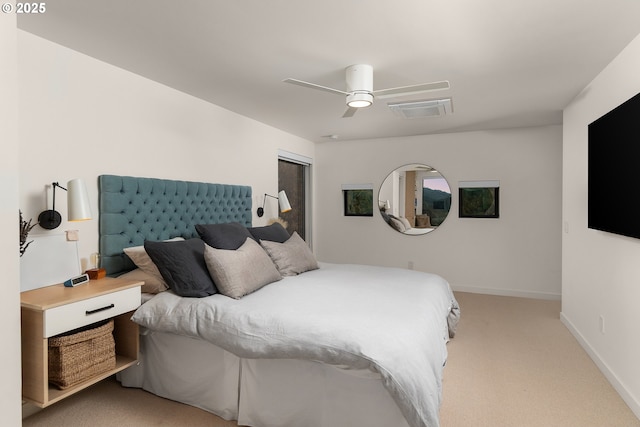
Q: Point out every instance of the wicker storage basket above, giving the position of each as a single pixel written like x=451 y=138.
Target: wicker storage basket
x=80 y=354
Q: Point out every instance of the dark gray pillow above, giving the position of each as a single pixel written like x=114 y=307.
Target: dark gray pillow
x=230 y=235
x=182 y=266
x=273 y=233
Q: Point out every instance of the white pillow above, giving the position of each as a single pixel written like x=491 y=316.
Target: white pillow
x=291 y=257
x=239 y=272
x=141 y=259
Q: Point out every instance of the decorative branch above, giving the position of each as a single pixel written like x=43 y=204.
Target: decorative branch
x=25 y=228
x=282 y=222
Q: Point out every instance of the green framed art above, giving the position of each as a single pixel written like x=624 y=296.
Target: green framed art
x=478 y=201
x=358 y=202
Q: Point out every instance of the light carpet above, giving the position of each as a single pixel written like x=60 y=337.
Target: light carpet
x=512 y=364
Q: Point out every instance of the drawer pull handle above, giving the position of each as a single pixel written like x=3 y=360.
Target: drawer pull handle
x=97 y=310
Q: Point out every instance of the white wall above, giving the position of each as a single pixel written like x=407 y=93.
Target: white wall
x=10 y=386
x=517 y=254
x=80 y=117
x=600 y=275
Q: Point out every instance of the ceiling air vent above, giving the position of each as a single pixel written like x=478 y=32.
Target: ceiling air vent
x=426 y=108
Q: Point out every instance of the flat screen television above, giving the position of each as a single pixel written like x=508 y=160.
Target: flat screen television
x=614 y=170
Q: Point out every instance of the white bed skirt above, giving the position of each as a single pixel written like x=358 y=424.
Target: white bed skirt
x=279 y=393
x=260 y=392
x=187 y=370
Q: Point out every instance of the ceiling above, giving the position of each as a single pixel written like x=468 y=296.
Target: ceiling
x=510 y=63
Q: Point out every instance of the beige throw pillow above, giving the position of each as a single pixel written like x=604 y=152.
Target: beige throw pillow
x=239 y=272
x=151 y=283
x=405 y=223
x=291 y=257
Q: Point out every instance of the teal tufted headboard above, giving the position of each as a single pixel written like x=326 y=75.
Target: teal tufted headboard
x=133 y=210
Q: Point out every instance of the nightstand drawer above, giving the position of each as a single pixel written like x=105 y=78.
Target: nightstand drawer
x=81 y=313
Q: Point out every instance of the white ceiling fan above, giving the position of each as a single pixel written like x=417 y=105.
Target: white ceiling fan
x=360 y=91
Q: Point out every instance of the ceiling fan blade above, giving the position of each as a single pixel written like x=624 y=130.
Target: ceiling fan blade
x=411 y=90
x=349 y=113
x=314 y=86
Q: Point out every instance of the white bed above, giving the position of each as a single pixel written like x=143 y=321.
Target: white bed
x=417 y=231
x=329 y=346
x=381 y=331
x=260 y=392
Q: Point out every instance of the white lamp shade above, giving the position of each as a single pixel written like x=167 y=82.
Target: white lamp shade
x=78 y=201
x=283 y=202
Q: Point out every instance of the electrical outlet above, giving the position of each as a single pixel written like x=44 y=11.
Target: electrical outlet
x=410 y=265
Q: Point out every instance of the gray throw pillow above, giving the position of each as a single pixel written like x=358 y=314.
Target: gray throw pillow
x=239 y=272
x=291 y=257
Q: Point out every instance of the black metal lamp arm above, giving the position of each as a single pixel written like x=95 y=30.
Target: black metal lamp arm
x=260 y=210
x=51 y=219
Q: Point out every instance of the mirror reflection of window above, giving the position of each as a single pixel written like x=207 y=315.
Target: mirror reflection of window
x=414 y=199
x=436 y=199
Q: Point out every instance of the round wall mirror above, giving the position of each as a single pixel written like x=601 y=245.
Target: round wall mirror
x=414 y=199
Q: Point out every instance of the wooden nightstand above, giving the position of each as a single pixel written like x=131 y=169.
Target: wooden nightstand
x=52 y=310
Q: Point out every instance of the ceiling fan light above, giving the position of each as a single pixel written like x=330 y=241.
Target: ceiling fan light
x=359 y=104
x=359 y=99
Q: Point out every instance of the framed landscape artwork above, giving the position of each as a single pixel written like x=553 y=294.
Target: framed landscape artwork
x=358 y=202
x=479 y=199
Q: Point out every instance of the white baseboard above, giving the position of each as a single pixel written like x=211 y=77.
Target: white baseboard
x=507 y=292
x=628 y=398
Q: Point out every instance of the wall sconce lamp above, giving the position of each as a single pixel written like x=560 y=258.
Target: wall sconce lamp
x=283 y=201
x=78 y=208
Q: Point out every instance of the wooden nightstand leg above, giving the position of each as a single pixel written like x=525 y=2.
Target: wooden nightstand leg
x=34 y=358
x=125 y=333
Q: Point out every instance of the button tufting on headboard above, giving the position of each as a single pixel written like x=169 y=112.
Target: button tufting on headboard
x=134 y=209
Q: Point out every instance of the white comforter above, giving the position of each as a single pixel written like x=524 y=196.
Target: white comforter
x=392 y=321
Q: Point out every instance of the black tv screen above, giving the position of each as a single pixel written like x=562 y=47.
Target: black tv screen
x=614 y=170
